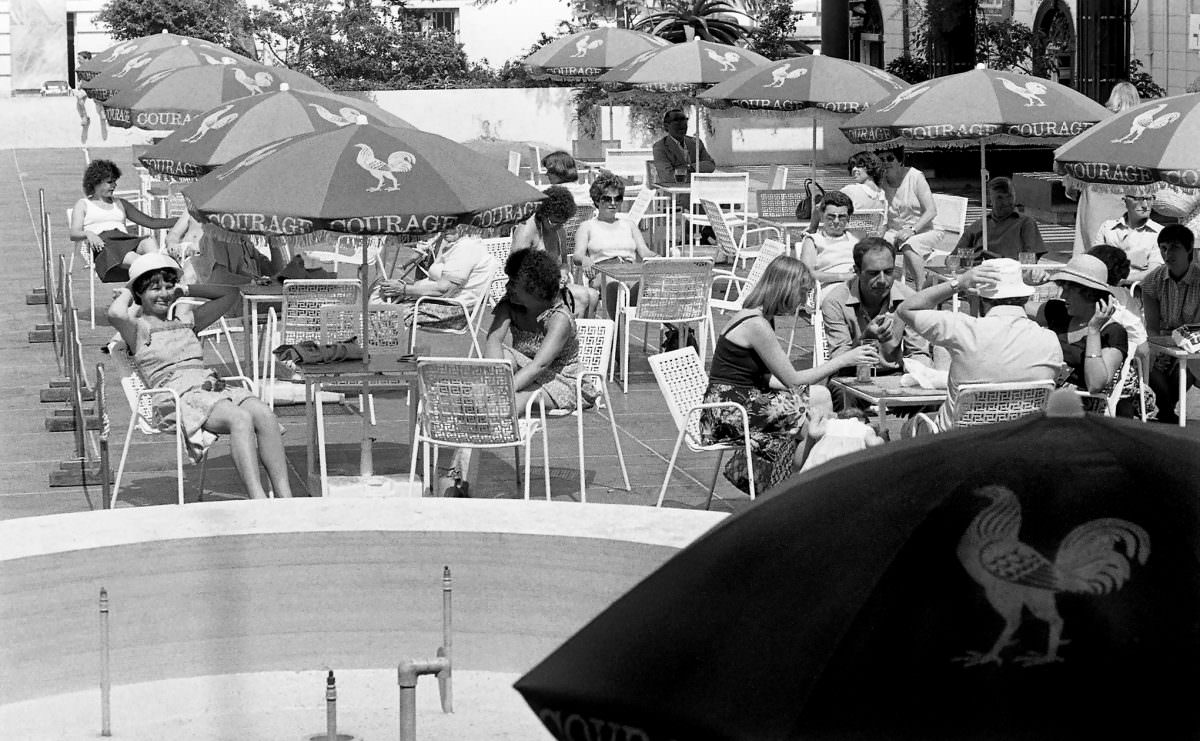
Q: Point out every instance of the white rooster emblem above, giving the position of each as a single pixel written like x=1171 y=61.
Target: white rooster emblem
x=254 y=157
x=141 y=60
x=904 y=95
x=254 y=84
x=127 y=48
x=728 y=60
x=218 y=119
x=639 y=59
x=781 y=75
x=1032 y=92
x=344 y=117
x=884 y=77
x=396 y=162
x=151 y=79
x=213 y=60
x=1147 y=120
x=584 y=45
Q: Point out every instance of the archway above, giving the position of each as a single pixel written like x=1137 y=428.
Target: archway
x=1055 y=56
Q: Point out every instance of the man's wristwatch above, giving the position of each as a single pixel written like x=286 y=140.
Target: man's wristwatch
x=954 y=284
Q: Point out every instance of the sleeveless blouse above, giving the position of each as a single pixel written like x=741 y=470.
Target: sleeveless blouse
x=736 y=365
x=611 y=241
x=99 y=217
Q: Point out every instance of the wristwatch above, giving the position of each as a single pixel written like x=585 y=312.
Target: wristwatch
x=954 y=283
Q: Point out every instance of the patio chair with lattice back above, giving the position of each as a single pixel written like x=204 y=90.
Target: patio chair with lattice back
x=300 y=319
x=1105 y=402
x=471 y=403
x=472 y=311
x=771 y=249
x=729 y=190
x=595 y=338
x=979 y=404
x=673 y=290
x=583 y=212
x=682 y=381
x=724 y=231
x=812 y=308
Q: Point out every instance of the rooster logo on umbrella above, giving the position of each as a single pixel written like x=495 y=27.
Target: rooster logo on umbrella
x=397 y=162
x=728 y=60
x=1095 y=558
x=781 y=75
x=585 y=44
x=1147 y=120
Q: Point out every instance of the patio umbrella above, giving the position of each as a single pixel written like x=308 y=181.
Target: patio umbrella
x=118 y=53
x=587 y=54
x=978 y=107
x=171 y=98
x=811 y=81
x=360 y=179
x=129 y=71
x=214 y=137
x=1144 y=149
x=1035 y=579
x=687 y=67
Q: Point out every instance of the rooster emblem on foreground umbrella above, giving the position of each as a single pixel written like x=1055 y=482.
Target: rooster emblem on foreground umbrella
x=396 y=162
x=728 y=60
x=1014 y=576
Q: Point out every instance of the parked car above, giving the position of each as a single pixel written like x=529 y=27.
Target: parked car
x=55 y=87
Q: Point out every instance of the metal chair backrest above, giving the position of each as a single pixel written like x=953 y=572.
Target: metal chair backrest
x=867 y=223
x=387 y=335
x=302 y=302
x=630 y=164
x=779 y=176
x=770 y=249
x=468 y=400
x=582 y=213
x=779 y=204
x=640 y=205
x=729 y=190
x=716 y=219
x=498 y=248
x=514 y=163
x=595 y=339
x=987 y=403
x=592 y=149
x=951 y=213
x=682 y=381
x=141 y=409
x=675 y=289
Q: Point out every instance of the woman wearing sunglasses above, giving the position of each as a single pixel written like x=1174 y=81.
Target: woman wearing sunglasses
x=606 y=238
x=911 y=214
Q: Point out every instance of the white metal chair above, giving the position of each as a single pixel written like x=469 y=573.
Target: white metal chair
x=471 y=403
x=951 y=219
x=811 y=307
x=1105 y=402
x=85 y=251
x=214 y=334
x=300 y=320
x=472 y=312
x=723 y=230
x=979 y=404
x=673 y=290
x=779 y=176
x=592 y=149
x=771 y=249
x=514 y=163
x=682 y=381
x=141 y=417
x=630 y=165
x=867 y=223
x=729 y=190
x=595 y=338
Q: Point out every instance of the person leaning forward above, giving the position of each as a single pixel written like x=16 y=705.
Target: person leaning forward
x=864 y=308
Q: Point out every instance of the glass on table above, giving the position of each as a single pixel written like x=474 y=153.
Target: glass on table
x=865 y=372
x=966 y=257
x=1027 y=258
x=952 y=262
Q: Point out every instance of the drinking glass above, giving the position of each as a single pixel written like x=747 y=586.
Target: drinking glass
x=952 y=262
x=1027 y=258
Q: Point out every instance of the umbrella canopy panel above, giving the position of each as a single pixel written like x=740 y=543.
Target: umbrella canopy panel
x=172 y=98
x=1152 y=144
x=129 y=72
x=1010 y=582
x=811 y=81
x=118 y=53
x=244 y=124
x=683 y=67
x=584 y=56
x=981 y=105
x=361 y=179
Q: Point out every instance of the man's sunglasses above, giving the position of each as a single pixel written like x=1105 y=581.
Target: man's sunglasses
x=612 y=200
x=888 y=158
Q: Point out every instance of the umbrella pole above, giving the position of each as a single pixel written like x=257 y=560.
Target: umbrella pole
x=814 y=149
x=699 y=140
x=611 y=131
x=366 y=464
x=983 y=178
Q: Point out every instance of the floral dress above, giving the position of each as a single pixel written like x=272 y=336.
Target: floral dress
x=776 y=416
x=171 y=356
x=558 y=380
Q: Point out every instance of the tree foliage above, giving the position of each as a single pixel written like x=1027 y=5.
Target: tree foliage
x=683 y=20
x=223 y=22
x=1146 y=86
x=776 y=25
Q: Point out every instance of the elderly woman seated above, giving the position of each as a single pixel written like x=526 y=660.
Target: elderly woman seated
x=607 y=238
x=461 y=269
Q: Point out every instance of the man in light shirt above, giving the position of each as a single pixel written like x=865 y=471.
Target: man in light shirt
x=1135 y=233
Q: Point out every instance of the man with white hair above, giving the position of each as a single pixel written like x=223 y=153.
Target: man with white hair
x=1003 y=345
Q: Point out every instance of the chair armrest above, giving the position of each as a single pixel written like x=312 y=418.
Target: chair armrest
x=726 y=275
x=722 y=405
x=923 y=418
x=746 y=233
x=447 y=300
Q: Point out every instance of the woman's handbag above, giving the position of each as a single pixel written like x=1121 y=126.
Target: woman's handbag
x=805 y=208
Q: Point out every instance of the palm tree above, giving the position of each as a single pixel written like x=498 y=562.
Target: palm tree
x=684 y=20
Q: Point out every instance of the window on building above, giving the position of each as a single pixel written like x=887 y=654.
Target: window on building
x=435 y=19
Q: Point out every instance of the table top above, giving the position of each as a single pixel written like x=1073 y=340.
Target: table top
x=888 y=389
x=389 y=366
x=620 y=271
x=1166 y=344
x=272 y=289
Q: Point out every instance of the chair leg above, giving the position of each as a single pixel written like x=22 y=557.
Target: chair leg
x=528 y=459
x=321 y=460
x=179 y=460
x=670 y=467
x=579 y=437
x=625 y=356
x=749 y=462
x=203 y=473
x=612 y=421
x=414 y=444
x=545 y=456
x=121 y=466
x=712 y=485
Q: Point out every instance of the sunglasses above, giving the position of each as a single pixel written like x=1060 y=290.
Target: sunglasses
x=677 y=120
x=888 y=158
x=611 y=200
x=837 y=217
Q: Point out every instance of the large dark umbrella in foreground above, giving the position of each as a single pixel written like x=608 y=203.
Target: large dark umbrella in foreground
x=1037 y=579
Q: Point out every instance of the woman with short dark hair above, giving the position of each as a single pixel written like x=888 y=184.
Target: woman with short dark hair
x=99 y=219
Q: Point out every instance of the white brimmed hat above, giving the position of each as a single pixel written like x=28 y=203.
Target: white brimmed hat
x=1085 y=270
x=153 y=261
x=1010 y=285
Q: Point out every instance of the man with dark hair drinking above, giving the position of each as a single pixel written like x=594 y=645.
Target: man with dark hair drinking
x=1171 y=299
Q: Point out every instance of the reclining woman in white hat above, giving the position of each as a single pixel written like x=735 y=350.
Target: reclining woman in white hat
x=167 y=354
x=1094 y=345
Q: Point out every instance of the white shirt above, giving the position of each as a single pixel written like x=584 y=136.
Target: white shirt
x=1140 y=244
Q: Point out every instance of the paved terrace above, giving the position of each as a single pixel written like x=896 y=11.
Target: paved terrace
x=28 y=452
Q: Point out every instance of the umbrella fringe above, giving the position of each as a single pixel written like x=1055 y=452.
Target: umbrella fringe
x=1147 y=189
x=1002 y=140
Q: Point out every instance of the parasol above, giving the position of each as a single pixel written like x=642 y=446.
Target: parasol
x=810 y=81
x=118 y=53
x=1034 y=579
x=978 y=107
x=128 y=71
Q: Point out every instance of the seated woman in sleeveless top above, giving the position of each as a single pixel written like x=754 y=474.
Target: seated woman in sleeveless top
x=167 y=354
x=546 y=230
x=747 y=358
x=99 y=219
x=606 y=237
